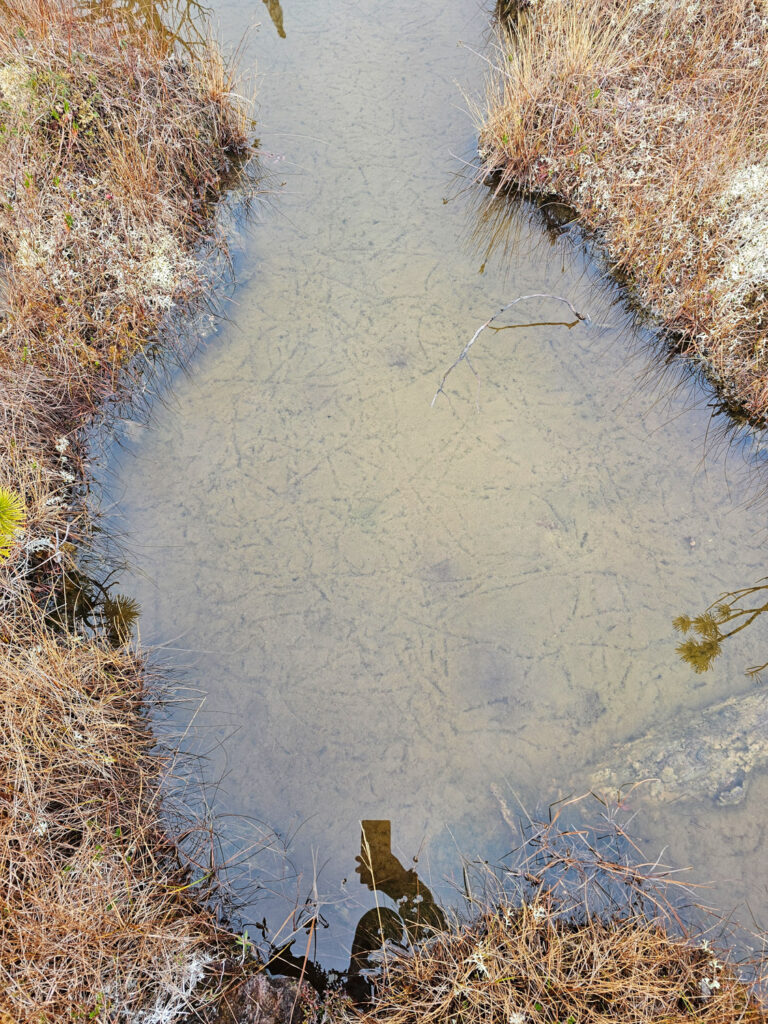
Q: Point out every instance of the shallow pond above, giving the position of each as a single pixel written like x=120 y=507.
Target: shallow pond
x=406 y=612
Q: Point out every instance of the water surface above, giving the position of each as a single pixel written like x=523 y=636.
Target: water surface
x=398 y=611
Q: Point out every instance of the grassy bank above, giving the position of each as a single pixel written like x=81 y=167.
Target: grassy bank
x=112 y=151
x=650 y=119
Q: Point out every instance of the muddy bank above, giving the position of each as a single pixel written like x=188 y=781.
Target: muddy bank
x=651 y=121
x=112 y=152
x=264 y=1000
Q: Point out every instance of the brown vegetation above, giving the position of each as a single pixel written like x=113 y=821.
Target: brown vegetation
x=524 y=965
x=112 y=150
x=650 y=119
x=98 y=917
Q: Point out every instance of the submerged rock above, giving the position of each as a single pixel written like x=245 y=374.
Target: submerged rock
x=712 y=758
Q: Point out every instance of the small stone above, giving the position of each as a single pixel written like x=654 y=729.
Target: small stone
x=732 y=794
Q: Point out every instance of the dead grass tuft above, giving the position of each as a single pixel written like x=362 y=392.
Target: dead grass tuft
x=650 y=118
x=98 y=918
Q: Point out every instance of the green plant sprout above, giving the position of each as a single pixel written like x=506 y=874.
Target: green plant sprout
x=12 y=519
x=245 y=945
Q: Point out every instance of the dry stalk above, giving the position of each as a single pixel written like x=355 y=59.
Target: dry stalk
x=464 y=354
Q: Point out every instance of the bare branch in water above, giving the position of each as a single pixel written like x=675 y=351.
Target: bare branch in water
x=464 y=354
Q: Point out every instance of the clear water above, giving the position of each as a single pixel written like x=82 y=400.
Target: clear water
x=402 y=612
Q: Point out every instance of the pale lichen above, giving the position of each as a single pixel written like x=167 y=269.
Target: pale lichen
x=14 y=83
x=744 y=206
x=177 y=980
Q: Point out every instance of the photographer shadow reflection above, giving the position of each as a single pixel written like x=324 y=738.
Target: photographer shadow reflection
x=415 y=917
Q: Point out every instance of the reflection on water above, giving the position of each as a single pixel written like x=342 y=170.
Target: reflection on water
x=176 y=22
x=495 y=234
x=413 y=919
x=706 y=633
x=379 y=869
x=394 y=608
x=86 y=601
x=276 y=14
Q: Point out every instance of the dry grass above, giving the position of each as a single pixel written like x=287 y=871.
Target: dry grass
x=524 y=965
x=576 y=934
x=112 y=151
x=97 y=919
x=650 y=118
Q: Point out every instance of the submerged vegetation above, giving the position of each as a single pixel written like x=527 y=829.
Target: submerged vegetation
x=112 y=150
x=650 y=119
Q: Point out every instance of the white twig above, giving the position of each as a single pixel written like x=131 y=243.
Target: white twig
x=521 y=298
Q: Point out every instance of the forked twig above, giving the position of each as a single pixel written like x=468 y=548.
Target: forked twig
x=521 y=298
